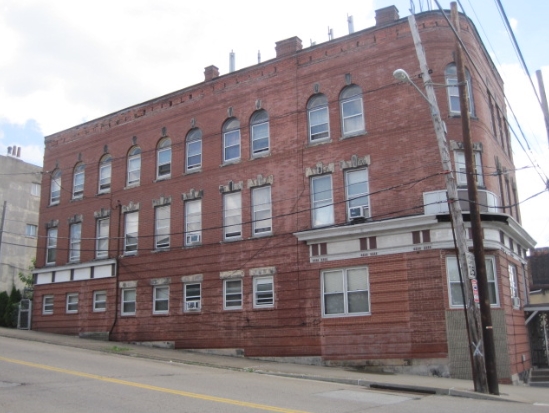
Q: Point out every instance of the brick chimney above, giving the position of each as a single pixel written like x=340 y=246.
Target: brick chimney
x=386 y=16
x=288 y=47
x=211 y=72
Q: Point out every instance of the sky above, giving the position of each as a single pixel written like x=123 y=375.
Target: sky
x=65 y=62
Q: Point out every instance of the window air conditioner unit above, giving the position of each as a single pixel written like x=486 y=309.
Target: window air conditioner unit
x=193 y=238
x=516 y=302
x=358 y=212
x=192 y=305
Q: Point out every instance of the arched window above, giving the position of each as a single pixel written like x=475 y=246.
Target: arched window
x=134 y=166
x=231 y=140
x=55 y=188
x=105 y=169
x=352 y=111
x=319 y=123
x=194 y=149
x=78 y=181
x=164 y=158
x=259 y=125
x=453 y=91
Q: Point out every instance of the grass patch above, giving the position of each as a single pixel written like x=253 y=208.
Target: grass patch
x=117 y=349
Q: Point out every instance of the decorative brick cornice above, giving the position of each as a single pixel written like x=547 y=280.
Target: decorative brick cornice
x=231 y=274
x=192 y=278
x=162 y=201
x=77 y=218
x=320 y=169
x=231 y=187
x=54 y=223
x=260 y=181
x=454 y=145
x=355 y=162
x=160 y=281
x=192 y=194
x=131 y=207
x=102 y=213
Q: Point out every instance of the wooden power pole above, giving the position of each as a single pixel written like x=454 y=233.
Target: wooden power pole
x=464 y=260
x=476 y=226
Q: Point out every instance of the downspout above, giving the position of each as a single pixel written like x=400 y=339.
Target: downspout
x=116 y=286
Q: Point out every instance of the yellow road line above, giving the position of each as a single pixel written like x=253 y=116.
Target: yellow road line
x=153 y=388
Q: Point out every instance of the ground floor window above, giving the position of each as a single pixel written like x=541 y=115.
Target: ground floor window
x=192 y=297
x=454 y=285
x=99 y=300
x=72 y=303
x=161 y=298
x=128 y=301
x=232 y=294
x=47 y=304
x=263 y=292
x=345 y=292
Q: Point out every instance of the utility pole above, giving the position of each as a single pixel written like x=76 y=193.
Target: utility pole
x=476 y=226
x=471 y=310
x=543 y=96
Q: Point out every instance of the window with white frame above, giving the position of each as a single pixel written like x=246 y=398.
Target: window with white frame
x=231 y=140
x=319 y=123
x=322 y=201
x=35 y=189
x=78 y=181
x=352 y=111
x=164 y=159
x=47 y=304
x=131 y=227
x=453 y=90
x=345 y=292
x=134 y=166
x=105 y=169
x=51 y=246
x=193 y=222
x=161 y=299
x=72 y=303
x=75 y=242
x=128 y=304
x=513 y=286
x=263 y=292
x=31 y=230
x=99 y=301
x=162 y=227
x=232 y=294
x=461 y=171
x=192 y=299
x=232 y=215
x=356 y=192
x=55 y=189
x=194 y=149
x=102 y=238
x=454 y=285
x=260 y=133
x=262 y=215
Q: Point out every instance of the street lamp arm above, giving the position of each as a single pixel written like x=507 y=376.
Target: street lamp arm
x=401 y=75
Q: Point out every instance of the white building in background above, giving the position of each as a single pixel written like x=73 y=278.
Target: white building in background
x=19 y=204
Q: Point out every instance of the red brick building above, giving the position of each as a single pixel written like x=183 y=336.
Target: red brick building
x=289 y=209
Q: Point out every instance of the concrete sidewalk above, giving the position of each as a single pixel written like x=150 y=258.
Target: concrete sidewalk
x=398 y=382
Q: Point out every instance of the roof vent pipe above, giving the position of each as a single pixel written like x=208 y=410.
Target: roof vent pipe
x=231 y=62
